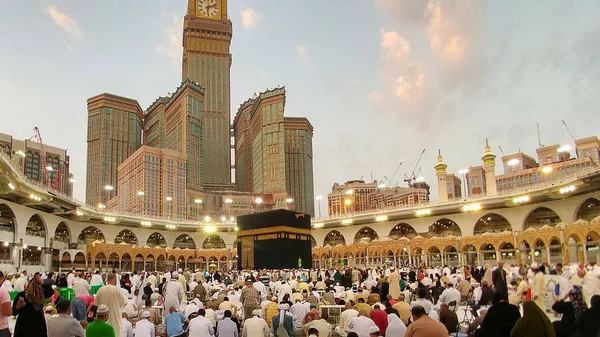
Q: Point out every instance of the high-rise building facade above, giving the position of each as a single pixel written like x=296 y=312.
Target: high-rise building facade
x=207 y=33
x=30 y=160
x=259 y=130
x=184 y=129
x=154 y=123
x=152 y=182
x=114 y=134
x=299 y=163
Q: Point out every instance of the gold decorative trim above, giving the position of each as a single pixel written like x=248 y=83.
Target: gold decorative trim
x=271 y=230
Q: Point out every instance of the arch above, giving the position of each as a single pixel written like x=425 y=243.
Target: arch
x=7 y=219
x=79 y=260
x=487 y=247
x=185 y=241
x=402 y=230
x=588 y=210
x=468 y=248
x=156 y=240
x=36 y=226
x=62 y=233
x=334 y=238
x=89 y=235
x=506 y=246
x=491 y=223
x=313 y=242
x=365 y=234
x=213 y=242
x=541 y=216
x=444 y=227
x=100 y=256
x=592 y=236
x=450 y=249
x=126 y=236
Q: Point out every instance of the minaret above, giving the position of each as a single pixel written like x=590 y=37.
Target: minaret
x=489 y=166
x=440 y=172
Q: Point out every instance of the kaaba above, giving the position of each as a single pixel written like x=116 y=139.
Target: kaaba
x=278 y=239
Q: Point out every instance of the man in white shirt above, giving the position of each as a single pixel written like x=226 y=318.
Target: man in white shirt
x=173 y=293
x=200 y=326
x=361 y=324
x=449 y=295
x=255 y=326
x=347 y=315
x=321 y=325
x=126 y=326
x=20 y=283
x=81 y=286
x=144 y=328
x=71 y=278
x=283 y=289
x=298 y=311
x=96 y=279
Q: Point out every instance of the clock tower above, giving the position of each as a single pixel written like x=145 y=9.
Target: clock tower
x=207 y=33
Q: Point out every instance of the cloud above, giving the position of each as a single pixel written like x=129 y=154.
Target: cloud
x=64 y=21
x=395 y=46
x=172 y=44
x=303 y=53
x=249 y=17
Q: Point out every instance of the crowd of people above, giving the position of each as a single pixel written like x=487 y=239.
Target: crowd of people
x=488 y=301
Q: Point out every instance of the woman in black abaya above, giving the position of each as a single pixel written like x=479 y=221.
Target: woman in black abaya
x=28 y=305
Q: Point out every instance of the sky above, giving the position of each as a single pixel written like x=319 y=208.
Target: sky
x=379 y=80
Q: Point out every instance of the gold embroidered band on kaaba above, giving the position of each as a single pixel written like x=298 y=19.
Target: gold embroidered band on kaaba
x=274 y=230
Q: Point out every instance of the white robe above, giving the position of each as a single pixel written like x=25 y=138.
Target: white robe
x=113 y=298
x=173 y=295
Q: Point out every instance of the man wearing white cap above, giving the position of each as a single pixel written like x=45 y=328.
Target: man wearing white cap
x=144 y=328
x=255 y=326
x=173 y=293
x=99 y=327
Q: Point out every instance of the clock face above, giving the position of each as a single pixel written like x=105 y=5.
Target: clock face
x=208 y=8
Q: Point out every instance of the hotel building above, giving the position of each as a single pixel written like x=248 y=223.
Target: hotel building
x=114 y=134
x=273 y=152
x=152 y=182
x=29 y=155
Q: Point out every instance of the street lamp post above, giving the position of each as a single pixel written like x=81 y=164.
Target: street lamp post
x=319 y=198
x=464 y=174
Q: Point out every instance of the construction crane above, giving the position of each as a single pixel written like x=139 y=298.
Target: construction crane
x=413 y=176
x=501 y=151
x=45 y=167
x=572 y=138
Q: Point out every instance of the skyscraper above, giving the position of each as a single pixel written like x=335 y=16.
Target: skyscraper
x=207 y=33
x=265 y=161
x=183 y=129
x=114 y=133
x=299 y=163
x=154 y=123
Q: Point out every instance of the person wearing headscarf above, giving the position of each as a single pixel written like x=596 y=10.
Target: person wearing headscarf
x=589 y=324
x=282 y=325
x=534 y=323
x=28 y=305
x=571 y=312
x=395 y=326
x=500 y=318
